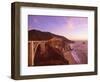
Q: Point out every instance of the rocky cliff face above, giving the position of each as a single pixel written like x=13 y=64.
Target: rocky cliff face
x=51 y=56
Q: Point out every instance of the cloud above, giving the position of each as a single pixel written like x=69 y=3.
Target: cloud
x=69 y=24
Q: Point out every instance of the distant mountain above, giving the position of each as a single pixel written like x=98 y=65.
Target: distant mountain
x=40 y=35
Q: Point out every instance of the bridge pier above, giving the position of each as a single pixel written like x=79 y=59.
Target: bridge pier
x=30 y=53
x=32 y=48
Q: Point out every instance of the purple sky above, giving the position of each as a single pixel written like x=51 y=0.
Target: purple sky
x=74 y=28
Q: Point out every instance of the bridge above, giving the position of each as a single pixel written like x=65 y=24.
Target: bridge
x=33 y=45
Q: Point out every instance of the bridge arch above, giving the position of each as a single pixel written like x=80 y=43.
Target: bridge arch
x=33 y=48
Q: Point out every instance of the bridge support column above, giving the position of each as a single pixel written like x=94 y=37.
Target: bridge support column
x=32 y=48
x=30 y=53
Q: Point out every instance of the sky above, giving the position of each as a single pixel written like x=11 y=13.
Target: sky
x=73 y=28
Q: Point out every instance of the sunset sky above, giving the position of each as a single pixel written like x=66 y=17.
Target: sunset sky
x=73 y=28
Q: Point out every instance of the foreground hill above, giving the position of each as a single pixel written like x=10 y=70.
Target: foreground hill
x=55 y=51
